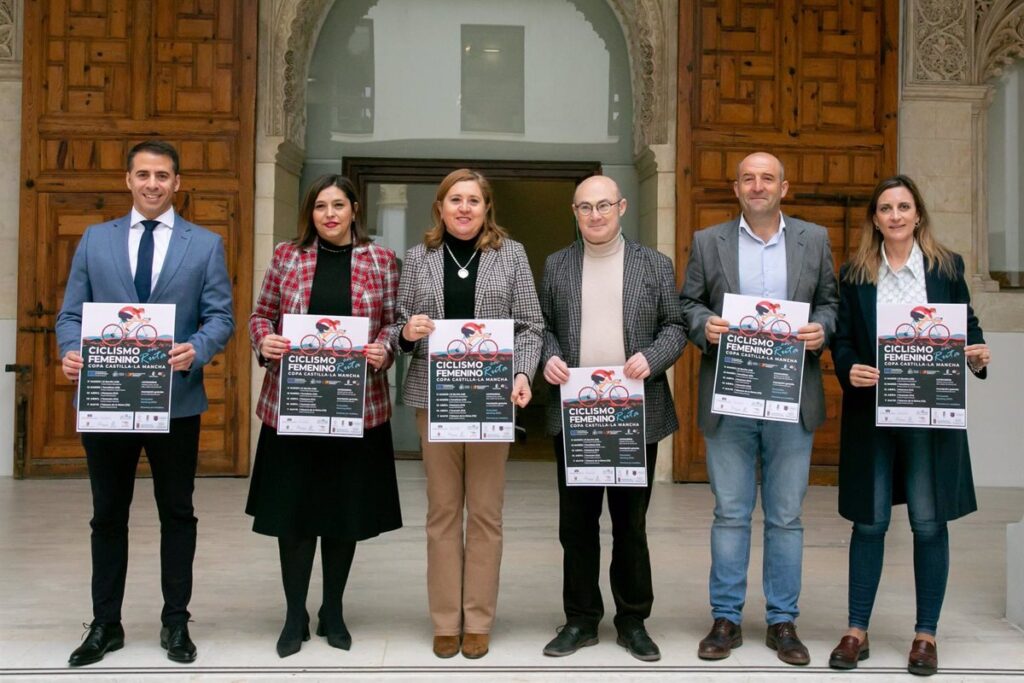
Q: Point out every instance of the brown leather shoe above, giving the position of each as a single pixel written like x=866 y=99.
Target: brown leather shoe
x=783 y=639
x=924 y=658
x=848 y=652
x=720 y=641
x=446 y=646
x=474 y=645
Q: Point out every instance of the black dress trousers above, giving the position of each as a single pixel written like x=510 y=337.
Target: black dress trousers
x=579 y=515
x=112 y=461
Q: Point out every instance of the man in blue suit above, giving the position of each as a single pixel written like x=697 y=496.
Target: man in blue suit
x=154 y=256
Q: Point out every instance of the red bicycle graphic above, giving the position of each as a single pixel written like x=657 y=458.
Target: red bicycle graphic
x=485 y=347
x=140 y=330
x=930 y=329
x=617 y=394
x=336 y=343
x=775 y=324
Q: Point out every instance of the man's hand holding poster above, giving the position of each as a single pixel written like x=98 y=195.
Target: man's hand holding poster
x=760 y=361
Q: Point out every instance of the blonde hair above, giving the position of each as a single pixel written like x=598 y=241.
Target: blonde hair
x=864 y=265
x=491 y=234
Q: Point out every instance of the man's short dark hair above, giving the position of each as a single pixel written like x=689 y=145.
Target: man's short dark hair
x=158 y=147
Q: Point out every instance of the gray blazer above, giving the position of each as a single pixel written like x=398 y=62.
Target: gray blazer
x=652 y=324
x=504 y=289
x=713 y=271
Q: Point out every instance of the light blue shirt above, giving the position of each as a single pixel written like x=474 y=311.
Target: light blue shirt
x=762 y=264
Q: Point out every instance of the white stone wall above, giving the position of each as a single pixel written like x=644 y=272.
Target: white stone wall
x=10 y=169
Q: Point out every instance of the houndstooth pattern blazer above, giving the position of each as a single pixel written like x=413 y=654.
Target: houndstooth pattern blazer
x=504 y=289
x=652 y=325
x=286 y=288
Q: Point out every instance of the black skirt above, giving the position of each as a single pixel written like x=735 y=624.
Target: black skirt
x=337 y=487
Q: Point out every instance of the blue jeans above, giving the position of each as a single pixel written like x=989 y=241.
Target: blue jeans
x=734 y=452
x=910 y=449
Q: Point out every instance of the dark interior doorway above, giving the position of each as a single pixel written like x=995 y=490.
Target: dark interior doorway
x=532 y=201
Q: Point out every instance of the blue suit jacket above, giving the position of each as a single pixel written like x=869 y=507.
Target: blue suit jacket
x=194 y=277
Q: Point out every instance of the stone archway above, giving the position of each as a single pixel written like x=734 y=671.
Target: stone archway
x=289 y=30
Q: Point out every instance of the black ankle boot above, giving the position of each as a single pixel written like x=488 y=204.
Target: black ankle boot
x=333 y=626
x=294 y=633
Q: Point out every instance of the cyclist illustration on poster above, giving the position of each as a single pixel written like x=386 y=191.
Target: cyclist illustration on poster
x=323 y=375
x=760 y=366
x=921 y=362
x=470 y=381
x=603 y=428
x=125 y=382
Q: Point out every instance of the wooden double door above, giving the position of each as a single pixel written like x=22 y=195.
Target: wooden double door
x=814 y=82
x=100 y=76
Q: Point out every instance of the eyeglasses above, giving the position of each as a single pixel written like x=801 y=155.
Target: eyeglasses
x=603 y=207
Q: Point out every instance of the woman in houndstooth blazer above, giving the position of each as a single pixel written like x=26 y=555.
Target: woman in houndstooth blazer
x=467 y=267
x=343 y=490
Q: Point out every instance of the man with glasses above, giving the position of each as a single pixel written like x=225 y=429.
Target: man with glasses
x=608 y=301
x=764 y=254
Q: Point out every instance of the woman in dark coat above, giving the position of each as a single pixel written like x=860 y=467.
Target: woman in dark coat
x=898 y=261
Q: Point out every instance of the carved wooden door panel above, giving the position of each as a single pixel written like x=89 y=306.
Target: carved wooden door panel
x=814 y=82
x=100 y=76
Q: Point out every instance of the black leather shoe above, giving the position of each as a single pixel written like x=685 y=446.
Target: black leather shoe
x=783 y=639
x=720 y=640
x=179 y=646
x=100 y=639
x=639 y=644
x=569 y=639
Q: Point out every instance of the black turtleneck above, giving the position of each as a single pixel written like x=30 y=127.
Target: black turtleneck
x=332 y=282
x=458 y=292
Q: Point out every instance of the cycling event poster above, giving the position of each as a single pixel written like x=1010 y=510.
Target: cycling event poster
x=922 y=366
x=470 y=383
x=760 y=365
x=603 y=428
x=125 y=382
x=323 y=375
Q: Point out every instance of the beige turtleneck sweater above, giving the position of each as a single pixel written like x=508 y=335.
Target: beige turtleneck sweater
x=601 y=333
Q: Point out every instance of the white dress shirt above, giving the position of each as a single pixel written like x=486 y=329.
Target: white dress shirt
x=903 y=286
x=161 y=240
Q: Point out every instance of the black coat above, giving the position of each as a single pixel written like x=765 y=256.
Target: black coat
x=855 y=342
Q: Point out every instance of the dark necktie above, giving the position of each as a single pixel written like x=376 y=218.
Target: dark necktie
x=144 y=264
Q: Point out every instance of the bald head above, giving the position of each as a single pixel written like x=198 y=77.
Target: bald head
x=761 y=160
x=601 y=184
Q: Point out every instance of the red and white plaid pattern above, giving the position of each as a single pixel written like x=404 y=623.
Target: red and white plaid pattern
x=286 y=289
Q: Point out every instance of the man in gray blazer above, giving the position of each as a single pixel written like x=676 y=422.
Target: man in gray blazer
x=762 y=253
x=608 y=301
x=151 y=255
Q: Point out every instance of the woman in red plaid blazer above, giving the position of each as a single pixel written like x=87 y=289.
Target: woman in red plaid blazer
x=342 y=490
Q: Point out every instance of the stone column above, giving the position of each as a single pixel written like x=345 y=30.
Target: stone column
x=278 y=169
x=655 y=167
x=10 y=172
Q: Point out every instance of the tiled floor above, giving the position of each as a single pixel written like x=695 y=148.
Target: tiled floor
x=238 y=603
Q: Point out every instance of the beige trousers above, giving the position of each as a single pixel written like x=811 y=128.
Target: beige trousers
x=462 y=572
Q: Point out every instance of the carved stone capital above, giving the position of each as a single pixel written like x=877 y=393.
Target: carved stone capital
x=940 y=37
x=10 y=31
x=393 y=195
